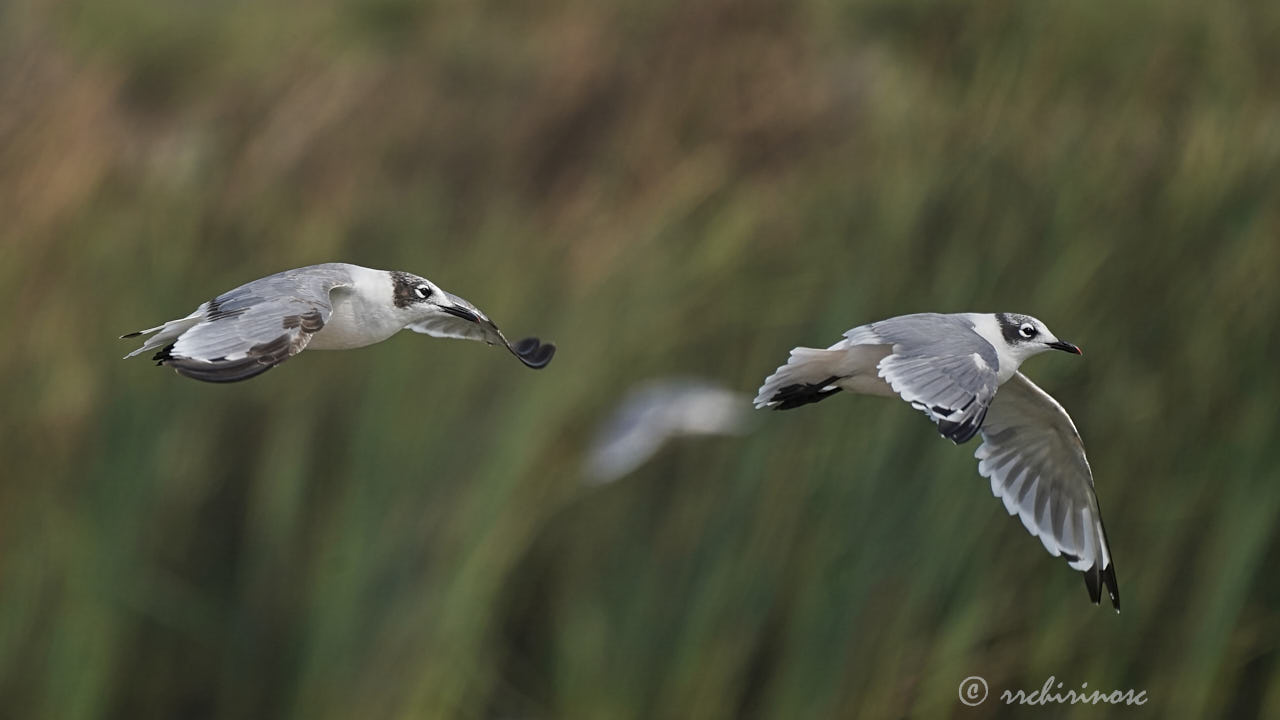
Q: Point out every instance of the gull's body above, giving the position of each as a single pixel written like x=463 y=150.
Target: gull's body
x=961 y=370
x=335 y=306
x=363 y=317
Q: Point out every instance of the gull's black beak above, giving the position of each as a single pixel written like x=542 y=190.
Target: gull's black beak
x=460 y=312
x=1065 y=347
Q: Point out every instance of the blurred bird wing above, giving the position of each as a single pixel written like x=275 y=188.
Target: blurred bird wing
x=650 y=415
x=530 y=351
x=442 y=325
x=939 y=365
x=248 y=330
x=631 y=436
x=1033 y=455
x=709 y=410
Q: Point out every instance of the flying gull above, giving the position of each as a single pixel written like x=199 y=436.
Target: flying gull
x=335 y=306
x=658 y=411
x=961 y=370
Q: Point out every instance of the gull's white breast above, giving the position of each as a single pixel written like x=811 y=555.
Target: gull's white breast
x=363 y=314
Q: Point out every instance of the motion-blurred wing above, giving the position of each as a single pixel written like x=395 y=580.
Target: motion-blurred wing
x=656 y=412
x=531 y=351
x=1037 y=466
x=939 y=365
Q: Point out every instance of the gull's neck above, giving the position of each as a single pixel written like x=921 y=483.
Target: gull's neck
x=986 y=325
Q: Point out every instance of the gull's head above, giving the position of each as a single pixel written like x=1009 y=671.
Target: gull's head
x=1025 y=336
x=423 y=307
x=418 y=299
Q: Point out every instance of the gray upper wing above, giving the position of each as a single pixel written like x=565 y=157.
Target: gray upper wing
x=249 y=330
x=1037 y=466
x=939 y=365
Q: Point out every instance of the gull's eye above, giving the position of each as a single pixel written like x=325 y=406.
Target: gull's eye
x=1027 y=330
x=422 y=291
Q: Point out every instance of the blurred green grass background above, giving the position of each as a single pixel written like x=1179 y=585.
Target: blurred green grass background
x=661 y=188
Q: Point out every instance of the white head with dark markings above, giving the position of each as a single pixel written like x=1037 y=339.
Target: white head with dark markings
x=421 y=299
x=1025 y=336
x=434 y=311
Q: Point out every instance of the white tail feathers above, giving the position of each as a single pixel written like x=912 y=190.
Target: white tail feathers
x=166 y=333
x=806 y=366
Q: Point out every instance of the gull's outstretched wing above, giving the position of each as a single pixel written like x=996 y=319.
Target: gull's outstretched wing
x=531 y=351
x=939 y=365
x=251 y=329
x=1035 y=460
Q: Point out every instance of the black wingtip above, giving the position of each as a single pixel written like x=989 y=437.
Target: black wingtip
x=1109 y=572
x=1095 y=579
x=1113 y=588
x=163 y=354
x=793 y=396
x=131 y=335
x=1092 y=585
x=962 y=432
x=534 y=353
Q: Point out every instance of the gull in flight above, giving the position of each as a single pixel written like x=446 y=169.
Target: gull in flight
x=335 y=306
x=659 y=411
x=961 y=370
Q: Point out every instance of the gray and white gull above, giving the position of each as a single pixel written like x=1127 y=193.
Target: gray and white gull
x=334 y=306
x=961 y=370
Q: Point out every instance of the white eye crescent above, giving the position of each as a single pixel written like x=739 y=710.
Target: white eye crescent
x=423 y=291
x=1027 y=330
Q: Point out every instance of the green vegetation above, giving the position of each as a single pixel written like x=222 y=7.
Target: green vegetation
x=661 y=188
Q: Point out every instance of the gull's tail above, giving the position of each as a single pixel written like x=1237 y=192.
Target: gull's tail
x=809 y=376
x=165 y=334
